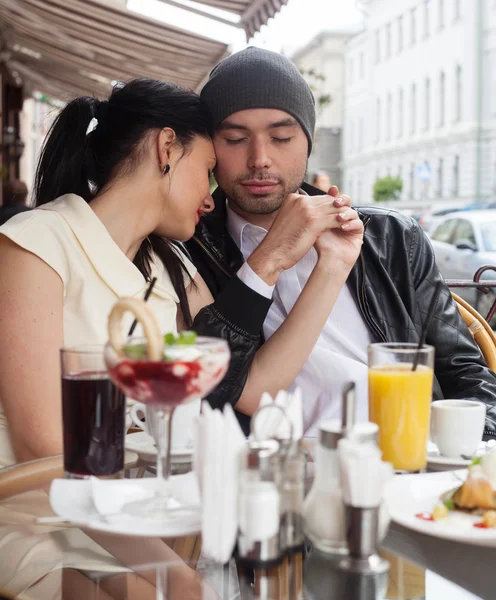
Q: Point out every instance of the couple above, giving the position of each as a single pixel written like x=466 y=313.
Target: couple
x=297 y=281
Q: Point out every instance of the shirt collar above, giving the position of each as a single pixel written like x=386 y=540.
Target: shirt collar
x=108 y=260
x=238 y=227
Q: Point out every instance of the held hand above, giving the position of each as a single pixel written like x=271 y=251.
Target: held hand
x=342 y=243
x=299 y=222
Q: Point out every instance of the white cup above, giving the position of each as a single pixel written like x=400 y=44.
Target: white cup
x=457 y=426
x=183 y=423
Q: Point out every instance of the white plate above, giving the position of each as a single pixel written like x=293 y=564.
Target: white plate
x=437 y=462
x=408 y=495
x=72 y=501
x=144 y=445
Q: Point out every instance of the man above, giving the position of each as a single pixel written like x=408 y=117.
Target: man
x=264 y=119
x=321 y=181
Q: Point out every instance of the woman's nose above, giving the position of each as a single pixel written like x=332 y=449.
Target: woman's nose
x=208 y=204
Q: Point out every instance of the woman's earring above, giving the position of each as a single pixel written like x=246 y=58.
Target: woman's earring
x=166 y=169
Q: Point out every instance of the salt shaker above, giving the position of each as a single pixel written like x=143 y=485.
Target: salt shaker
x=259 y=544
x=293 y=461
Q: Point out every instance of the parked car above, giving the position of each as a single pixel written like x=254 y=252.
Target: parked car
x=464 y=242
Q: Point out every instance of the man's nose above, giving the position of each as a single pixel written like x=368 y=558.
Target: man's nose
x=258 y=155
x=208 y=204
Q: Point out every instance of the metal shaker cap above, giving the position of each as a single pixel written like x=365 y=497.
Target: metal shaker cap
x=330 y=432
x=261 y=455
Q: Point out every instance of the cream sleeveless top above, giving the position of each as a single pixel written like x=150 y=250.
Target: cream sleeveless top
x=68 y=236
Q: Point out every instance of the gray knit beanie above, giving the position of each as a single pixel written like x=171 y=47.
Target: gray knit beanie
x=257 y=78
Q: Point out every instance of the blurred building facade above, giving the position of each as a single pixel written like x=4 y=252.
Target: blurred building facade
x=322 y=64
x=419 y=84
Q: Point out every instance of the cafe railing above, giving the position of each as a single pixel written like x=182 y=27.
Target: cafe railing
x=483 y=285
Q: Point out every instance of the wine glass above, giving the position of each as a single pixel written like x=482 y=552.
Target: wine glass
x=185 y=372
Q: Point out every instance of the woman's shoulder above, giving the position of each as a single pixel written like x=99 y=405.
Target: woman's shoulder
x=35 y=220
x=43 y=233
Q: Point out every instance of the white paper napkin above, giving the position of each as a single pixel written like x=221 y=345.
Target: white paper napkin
x=363 y=474
x=273 y=423
x=217 y=459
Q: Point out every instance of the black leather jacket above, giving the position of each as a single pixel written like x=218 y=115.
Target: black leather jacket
x=392 y=284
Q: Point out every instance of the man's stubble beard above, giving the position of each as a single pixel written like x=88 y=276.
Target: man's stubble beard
x=261 y=205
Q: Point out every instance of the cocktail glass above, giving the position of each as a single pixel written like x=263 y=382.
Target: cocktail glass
x=185 y=373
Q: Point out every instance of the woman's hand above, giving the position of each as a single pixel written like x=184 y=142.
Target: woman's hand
x=342 y=243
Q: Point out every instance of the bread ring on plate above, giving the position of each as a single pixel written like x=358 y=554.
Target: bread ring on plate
x=145 y=316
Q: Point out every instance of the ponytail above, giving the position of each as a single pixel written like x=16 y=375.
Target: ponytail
x=64 y=166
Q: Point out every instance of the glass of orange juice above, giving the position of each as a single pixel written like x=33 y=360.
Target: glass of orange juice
x=400 y=402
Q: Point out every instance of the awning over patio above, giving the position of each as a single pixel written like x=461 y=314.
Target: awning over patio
x=65 y=48
x=72 y=47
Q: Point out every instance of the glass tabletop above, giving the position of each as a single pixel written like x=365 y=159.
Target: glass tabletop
x=56 y=560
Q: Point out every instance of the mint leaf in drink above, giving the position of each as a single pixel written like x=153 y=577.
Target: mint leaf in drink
x=169 y=339
x=476 y=461
x=186 y=338
x=135 y=351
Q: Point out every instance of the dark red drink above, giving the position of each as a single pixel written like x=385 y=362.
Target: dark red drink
x=166 y=382
x=93 y=412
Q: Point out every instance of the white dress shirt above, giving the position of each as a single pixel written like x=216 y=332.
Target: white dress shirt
x=340 y=354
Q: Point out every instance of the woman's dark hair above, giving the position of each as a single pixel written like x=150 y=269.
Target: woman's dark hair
x=77 y=162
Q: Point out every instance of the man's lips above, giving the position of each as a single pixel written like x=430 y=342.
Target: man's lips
x=260 y=186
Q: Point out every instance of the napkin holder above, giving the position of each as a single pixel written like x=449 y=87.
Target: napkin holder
x=362 y=535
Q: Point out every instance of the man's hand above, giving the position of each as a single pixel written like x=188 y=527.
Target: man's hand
x=341 y=244
x=301 y=220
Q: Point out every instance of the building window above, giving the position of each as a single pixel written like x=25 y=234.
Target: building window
x=427 y=105
x=413 y=109
x=389 y=116
x=360 y=134
x=377 y=46
x=413 y=26
x=350 y=69
x=400 y=113
x=377 y=120
x=427 y=10
x=458 y=9
x=456 y=176
x=442 y=95
x=353 y=138
x=361 y=63
x=440 y=183
x=412 y=181
x=441 y=14
x=400 y=34
x=458 y=94
x=388 y=41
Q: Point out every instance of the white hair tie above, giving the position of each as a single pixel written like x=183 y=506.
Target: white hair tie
x=92 y=125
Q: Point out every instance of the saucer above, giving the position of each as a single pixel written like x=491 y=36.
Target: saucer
x=98 y=504
x=437 y=462
x=144 y=445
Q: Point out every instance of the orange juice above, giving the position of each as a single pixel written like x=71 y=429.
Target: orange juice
x=399 y=402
